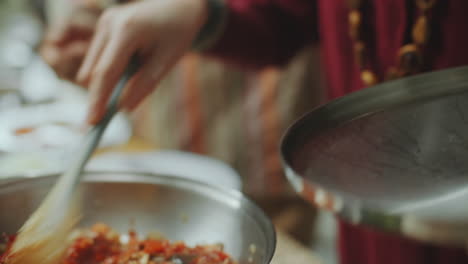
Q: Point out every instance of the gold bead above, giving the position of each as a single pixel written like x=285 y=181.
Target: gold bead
x=354 y=19
x=368 y=78
x=421 y=31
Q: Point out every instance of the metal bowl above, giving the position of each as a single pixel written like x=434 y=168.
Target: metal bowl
x=393 y=156
x=178 y=208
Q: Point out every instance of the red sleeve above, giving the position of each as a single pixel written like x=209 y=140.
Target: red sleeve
x=266 y=32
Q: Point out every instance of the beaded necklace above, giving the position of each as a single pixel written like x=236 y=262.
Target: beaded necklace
x=409 y=57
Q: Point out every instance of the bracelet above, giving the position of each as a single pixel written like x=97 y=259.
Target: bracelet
x=214 y=26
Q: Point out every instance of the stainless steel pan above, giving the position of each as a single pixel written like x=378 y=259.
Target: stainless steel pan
x=393 y=156
x=178 y=208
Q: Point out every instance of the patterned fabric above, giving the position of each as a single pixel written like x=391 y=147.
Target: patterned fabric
x=206 y=107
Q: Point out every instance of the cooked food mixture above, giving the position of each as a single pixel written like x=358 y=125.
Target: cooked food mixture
x=101 y=245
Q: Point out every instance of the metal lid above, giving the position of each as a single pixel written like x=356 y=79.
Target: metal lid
x=394 y=156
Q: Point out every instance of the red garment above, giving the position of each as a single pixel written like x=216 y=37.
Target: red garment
x=265 y=32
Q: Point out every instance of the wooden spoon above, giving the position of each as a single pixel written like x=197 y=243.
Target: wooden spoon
x=43 y=239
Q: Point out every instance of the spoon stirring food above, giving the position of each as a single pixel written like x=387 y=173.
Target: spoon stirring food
x=43 y=237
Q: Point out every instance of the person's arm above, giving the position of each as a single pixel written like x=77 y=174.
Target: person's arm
x=160 y=32
x=258 y=33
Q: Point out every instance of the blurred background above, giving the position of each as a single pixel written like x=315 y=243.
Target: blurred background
x=203 y=107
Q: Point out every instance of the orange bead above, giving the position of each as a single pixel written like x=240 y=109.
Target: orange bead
x=368 y=78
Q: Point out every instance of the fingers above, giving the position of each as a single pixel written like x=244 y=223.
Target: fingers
x=72 y=57
x=107 y=73
x=79 y=26
x=97 y=45
x=106 y=60
x=65 y=61
x=58 y=33
x=65 y=43
x=121 y=33
x=51 y=55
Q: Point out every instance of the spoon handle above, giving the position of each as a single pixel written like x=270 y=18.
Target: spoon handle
x=73 y=174
x=59 y=210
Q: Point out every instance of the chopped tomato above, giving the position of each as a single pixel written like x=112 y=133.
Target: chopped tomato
x=101 y=245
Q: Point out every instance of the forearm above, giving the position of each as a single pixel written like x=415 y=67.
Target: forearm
x=258 y=33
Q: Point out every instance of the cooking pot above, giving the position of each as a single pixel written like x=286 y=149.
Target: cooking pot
x=392 y=157
x=180 y=209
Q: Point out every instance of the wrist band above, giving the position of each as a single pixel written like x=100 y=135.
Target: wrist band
x=212 y=29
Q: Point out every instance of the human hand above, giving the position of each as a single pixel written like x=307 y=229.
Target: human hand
x=67 y=39
x=159 y=32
